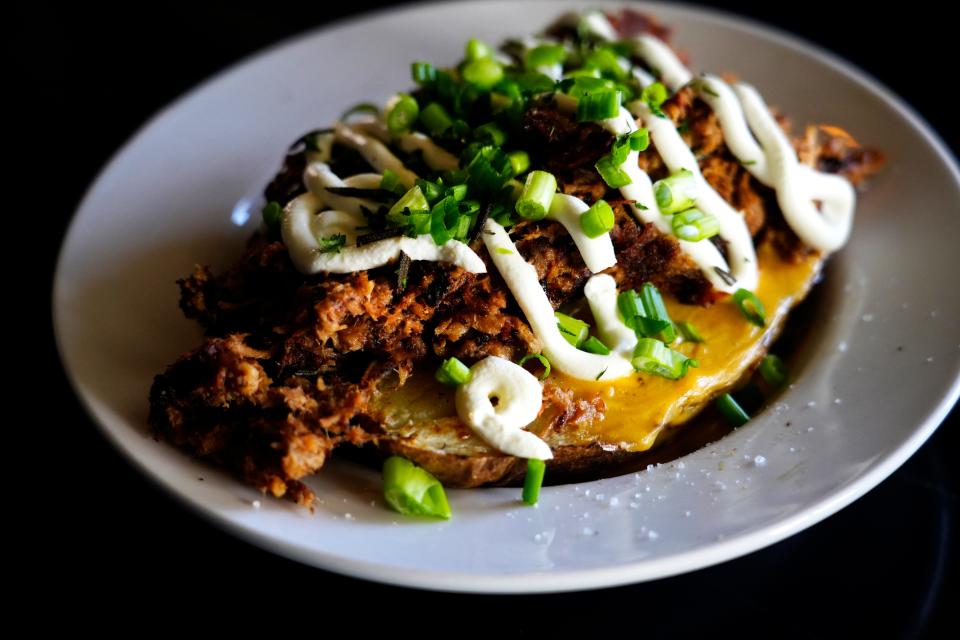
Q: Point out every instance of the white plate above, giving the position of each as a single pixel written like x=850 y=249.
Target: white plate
x=879 y=369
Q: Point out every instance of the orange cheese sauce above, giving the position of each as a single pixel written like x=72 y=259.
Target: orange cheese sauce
x=639 y=407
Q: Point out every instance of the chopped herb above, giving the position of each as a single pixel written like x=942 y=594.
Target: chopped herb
x=707 y=90
x=726 y=276
x=748 y=162
x=403 y=270
x=332 y=244
x=600 y=375
x=504 y=251
x=655 y=95
x=272 y=213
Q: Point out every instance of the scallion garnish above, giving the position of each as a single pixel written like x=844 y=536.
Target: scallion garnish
x=402 y=115
x=601 y=105
x=607 y=62
x=490 y=133
x=391 y=182
x=676 y=193
x=519 y=160
x=542 y=359
x=453 y=372
x=655 y=95
x=732 y=411
x=750 y=306
x=652 y=356
x=488 y=171
x=431 y=190
x=412 y=490
x=537 y=195
x=414 y=200
x=594 y=345
x=773 y=370
x=694 y=225
x=477 y=49
x=612 y=173
x=435 y=118
x=689 y=332
x=544 y=55
x=444 y=220
x=332 y=243
x=597 y=220
x=423 y=72
x=655 y=310
x=483 y=73
x=574 y=330
x=272 y=215
x=533 y=480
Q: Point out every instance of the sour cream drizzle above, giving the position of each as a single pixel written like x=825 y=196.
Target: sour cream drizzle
x=523 y=282
x=597 y=252
x=519 y=398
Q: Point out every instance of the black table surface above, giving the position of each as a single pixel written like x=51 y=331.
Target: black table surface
x=88 y=76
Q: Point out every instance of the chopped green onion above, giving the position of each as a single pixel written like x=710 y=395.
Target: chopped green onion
x=540 y=358
x=652 y=356
x=412 y=490
x=594 y=345
x=639 y=140
x=676 y=193
x=363 y=107
x=537 y=195
x=477 y=49
x=272 y=215
x=597 y=220
x=504 y=251
x=607 y=62
x=490 y=133
x=601 y=105
x=444 y=220
x=750 y=306
x=435 y=118
x=483 y=73
x=391 y=182
x=655 y=310
x=453 y=372
x=689 y=332
x=773 y=370
x=423 y=72
x=655 y=95
x=414 y=200
x=612 y=173
x=732 y=411
x=403 y=114
x=533 y=480
x=333 y=243
x=519 y=160
x=488 y=171
x=458 y=192
x=431 y=190
x=544 y=55
x=630 y=307
x=694 y=225
x=574 y=330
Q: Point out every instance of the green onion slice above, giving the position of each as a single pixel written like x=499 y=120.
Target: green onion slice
x=477 y=49
x=453 y=372
x=533 y=480
x=423 y=72
x=655 y=95
x=272 y=215
x=689 y=332
x=732 y=411
x=402 y=115
x=483 y=73
x=412 y=490
x=519 y=161
x=654 y=357
x=601 y=105
x=597 y=220
x=544 y=55
x=612 y=173
x=657 y=311
x=607 y=62
x=676 y=193
x=574 y=330
x=435 y=118
x=490 y=133
x=750 y=306
x=333 y=243
x=694 y=225
x=414 y=200
x=537 y=195
x=594 y=345
x=542 y=359
x=391 y=182
x=773 y=370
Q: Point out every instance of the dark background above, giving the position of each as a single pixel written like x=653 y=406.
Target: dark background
x=102 y=539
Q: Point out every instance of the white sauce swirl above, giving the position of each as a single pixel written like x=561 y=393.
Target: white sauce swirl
x=597 y=252
x=521 y=278
x=302 y=226
x=601 y=294
x=519 y=398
